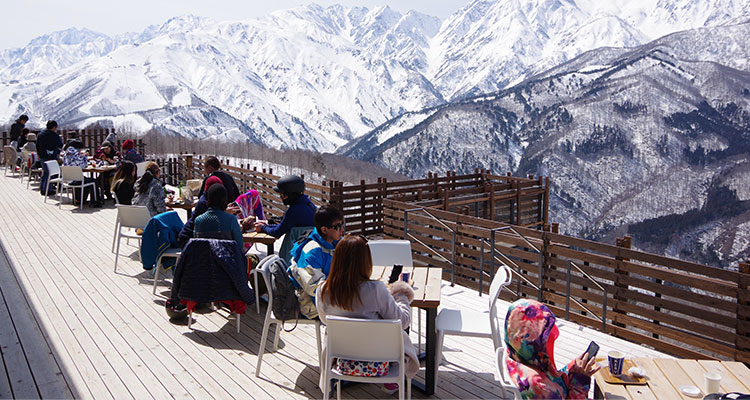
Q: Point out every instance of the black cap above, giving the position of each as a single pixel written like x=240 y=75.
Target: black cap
x=290 y=184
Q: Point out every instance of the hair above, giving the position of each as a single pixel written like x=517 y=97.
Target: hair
x=51 y=124
x=23 y=117
x=216 y=196
x=326 y=216
x=25 y=131
x=72 y=134
x=77 y=144
x=213 y=162
x=351 y=265
x=145 y=181
x=125 y=172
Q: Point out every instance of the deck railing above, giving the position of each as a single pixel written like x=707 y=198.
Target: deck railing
x=91 y=138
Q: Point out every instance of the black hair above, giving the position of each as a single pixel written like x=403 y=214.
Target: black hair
x=51 y=124
x=125 y=172
x=326 y=216
x=217 y=196
x=144 y=182
x=213 y=162
x=25 y=131
x=23 y=117
x=76 y=143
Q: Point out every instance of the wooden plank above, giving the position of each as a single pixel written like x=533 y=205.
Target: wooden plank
x=434 y=285
x=419 y=283
x=657 y=382
x=729 y=383
x=17 y=368
x=674 y=374
x=740 y=372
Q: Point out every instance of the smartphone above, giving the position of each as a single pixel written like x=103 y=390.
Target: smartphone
x=592 y=350
x=395 y=273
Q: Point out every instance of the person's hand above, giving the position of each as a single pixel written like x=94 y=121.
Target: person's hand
x=259 y=225
x=584 y=365
x=248 y=223
x=234 y=210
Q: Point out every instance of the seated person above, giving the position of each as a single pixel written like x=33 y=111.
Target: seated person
x=215 y=223
x=530 y=334
x=200 y=207
x=129 y=152
x=149 y=190
x=74 y=158
x=300 y=211
x=123 y=183
x=349 y=292
x=212 y=167
x=107 y=154
x=28 y=151
x=250 y=207
x=312 y=255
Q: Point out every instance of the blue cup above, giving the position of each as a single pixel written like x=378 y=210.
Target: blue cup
x=405 y=276
x=616 y=361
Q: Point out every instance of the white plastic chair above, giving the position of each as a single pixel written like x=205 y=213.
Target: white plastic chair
x=470 y=323
x=173 y=253
x=10 y=156
x=365 y=340
x=141 y=168
x=128 y=217
x=391 y=252
x=70 y=174
x=497 y=324
x=54 y=177
x=263 y=270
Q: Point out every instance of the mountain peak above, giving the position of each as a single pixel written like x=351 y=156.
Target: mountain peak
x=70 y=36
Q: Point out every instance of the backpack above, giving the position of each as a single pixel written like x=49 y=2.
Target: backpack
x=285 y=304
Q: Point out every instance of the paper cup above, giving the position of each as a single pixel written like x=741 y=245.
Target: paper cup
x=405 y=276
x=616 y=361
x=712 y=381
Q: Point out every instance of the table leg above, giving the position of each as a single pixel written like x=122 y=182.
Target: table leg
x=269 y=249
x=430 y=350
x=189 y=213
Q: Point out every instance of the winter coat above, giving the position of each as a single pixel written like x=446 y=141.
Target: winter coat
x=218 y=224
x=250 y=204
x=124 y=191
x=187 y=231
x=298 y=214
x=530 y=334
x=16 y=130
x=48 y=145
x=74 y=158
x=211 y=270
x=232 y=191
x=153 y=198
x=159 y=235
x=311 y=264
x=132 y=156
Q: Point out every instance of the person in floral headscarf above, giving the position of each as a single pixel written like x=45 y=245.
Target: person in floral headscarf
x=530 y=334
x=251 y=208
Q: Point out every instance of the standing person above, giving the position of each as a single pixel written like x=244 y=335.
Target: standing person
x=129 y=153
x=349 y=292
x=17 y=128
x=212 y=167
x=74 y=158
x=530 y=333
x=149 y=190
x=123 y=183
x=312 y=257
x=216 y=223
x=48 y=145
x=300 y=212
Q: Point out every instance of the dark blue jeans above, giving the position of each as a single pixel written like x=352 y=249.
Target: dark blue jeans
x=45 y=178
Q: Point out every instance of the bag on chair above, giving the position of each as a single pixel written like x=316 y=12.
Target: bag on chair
x=285 y=304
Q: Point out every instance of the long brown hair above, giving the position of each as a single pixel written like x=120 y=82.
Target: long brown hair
x=351 y=265
x=125 y=172
x=143 y=182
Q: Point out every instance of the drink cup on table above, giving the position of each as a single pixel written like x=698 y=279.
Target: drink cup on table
x=712 y=382
x=616 y=361
x=405 y=276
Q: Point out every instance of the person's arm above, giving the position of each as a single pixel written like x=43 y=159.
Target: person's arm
x=157 y=197
x=258 y=211
x=283 y=227
x=579 y=373
x=236 y=232
x=395 y=304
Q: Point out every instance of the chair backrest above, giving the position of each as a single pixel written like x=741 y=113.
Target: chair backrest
x=391 y=252
x=364 y=339
x=141 y=168
x=52 y=167
x=264 y=269
x=503 y=277
x=10 y=155
x=71 y=173
x=133 y=216
x=285 y=251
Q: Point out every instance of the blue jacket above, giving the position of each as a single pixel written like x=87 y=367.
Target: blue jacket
x=159 y=235
x=215 y=223
x=313 y=251
x=299 y=214
x=48 y=145
x=187 y=231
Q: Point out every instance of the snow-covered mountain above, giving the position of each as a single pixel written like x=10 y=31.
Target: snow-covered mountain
x=315 y=77
x=651 y=141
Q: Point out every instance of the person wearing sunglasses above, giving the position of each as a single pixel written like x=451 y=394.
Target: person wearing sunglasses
x=312 y=255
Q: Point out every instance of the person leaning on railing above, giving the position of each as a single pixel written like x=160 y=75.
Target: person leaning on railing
x=349 y=292
x=530 y=333
x=149 y=190
x=123 y=183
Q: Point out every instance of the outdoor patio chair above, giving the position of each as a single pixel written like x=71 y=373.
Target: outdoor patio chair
x=270 y=319
x=366 y=340
x=170 y=252
x=501 y=375
x=497 y=325
x=10 y=155
x=54 y=177
x=27 y=167
x=71 y=174
x=470 y=323
x=128 y=217
x=141 y=168
x=391 y=252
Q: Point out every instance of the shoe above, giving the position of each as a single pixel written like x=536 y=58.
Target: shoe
x=390 y=388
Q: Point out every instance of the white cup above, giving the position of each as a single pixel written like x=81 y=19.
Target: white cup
x=712 y=381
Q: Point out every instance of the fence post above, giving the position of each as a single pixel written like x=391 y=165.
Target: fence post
x=362 y=205
x=742 y=338
x=625 y=242
x=189 y=165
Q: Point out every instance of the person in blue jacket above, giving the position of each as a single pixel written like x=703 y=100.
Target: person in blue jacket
x=312 y=256
x=300 y=211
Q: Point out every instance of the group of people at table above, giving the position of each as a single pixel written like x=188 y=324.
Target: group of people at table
x=331 y=271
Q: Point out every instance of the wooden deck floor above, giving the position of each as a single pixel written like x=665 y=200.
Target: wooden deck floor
x=70 y=327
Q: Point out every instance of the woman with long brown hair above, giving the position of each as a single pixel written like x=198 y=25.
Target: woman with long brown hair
x=349 y=292
x=149 y=190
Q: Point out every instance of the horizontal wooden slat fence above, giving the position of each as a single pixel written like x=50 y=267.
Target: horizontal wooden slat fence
x=91 y=138
x=679 y=307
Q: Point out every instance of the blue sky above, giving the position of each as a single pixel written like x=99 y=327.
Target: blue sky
x=27 y=19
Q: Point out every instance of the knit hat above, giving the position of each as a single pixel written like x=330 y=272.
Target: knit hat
x=128 y=144
x=31 y=137
x=108 y=144
x=210 y=181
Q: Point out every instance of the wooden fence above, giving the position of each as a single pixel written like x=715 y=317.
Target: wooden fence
x=500 y=197
x=678 y=307
x=91 y=138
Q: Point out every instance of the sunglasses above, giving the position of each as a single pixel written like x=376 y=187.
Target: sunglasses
x=337 y=226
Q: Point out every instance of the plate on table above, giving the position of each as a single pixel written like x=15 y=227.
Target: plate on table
x=623 y=379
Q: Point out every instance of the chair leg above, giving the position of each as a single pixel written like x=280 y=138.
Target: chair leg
x=114 y=237
x=82 y=196
x=338 y=389
x=408 y=387
x=276 y=336
x=439 y=354
x=156 y=275
x=190 y=319
x=262 y=348
x=326 y=382
x=239 y=323
x=317 y=338
x=117 y=252
x=419 y=329
x=401 y=386
x=257 y=291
